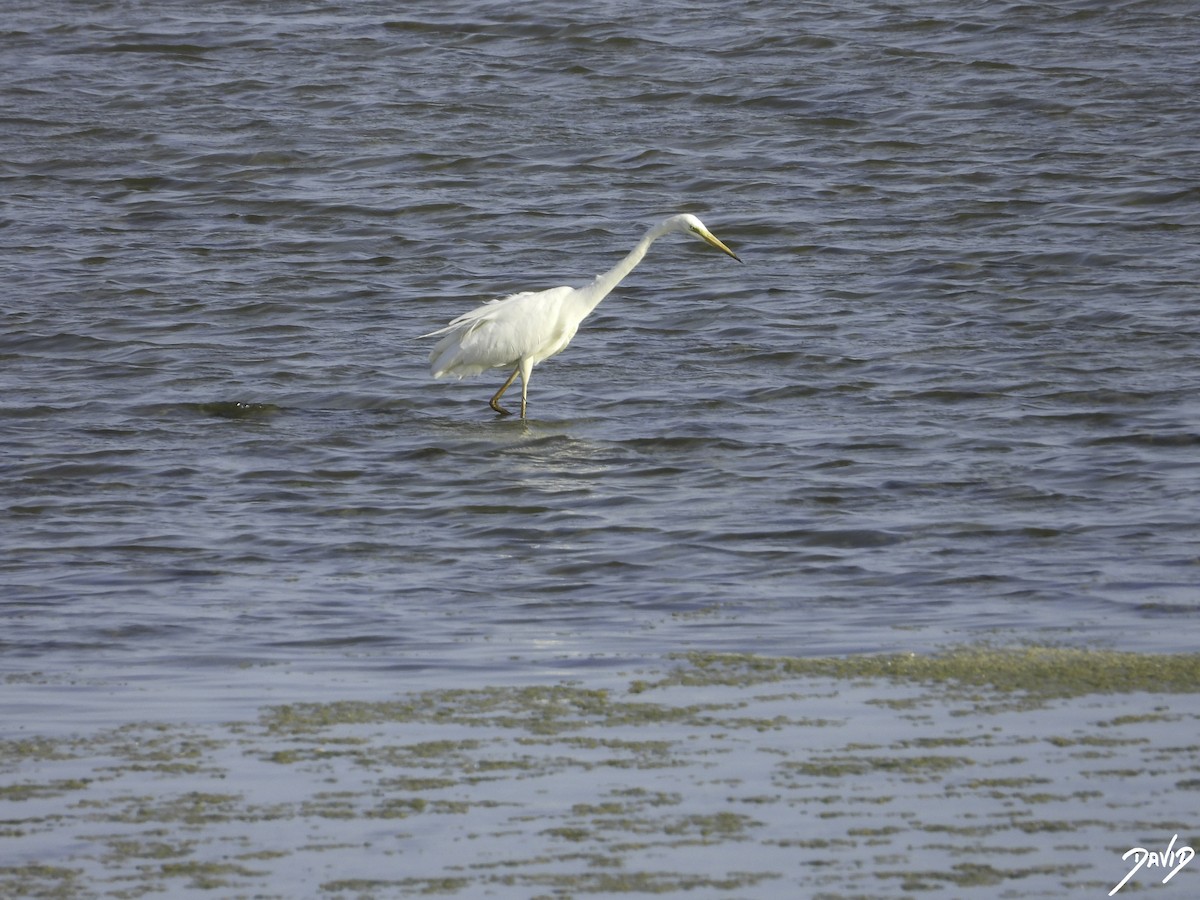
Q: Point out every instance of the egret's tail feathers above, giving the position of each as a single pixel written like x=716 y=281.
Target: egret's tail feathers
x=448 y=359
x=442 y=330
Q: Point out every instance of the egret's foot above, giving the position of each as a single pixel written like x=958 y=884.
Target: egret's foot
x=500 y=409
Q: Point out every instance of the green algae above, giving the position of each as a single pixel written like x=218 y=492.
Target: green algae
x=635 y=882
x=30 y=791
x=1038 y=671
x=371 y=887
x=13 y=752
x=725 y=824
x=129 y=848
x=43 y=882
x=547 y=711
x=967 y=875
x=1093 y=740
x=208 y=875
x=841 y=766
x=561 y=782
x=416 y=783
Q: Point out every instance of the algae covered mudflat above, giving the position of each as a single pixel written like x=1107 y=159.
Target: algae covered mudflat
x=1022 y=771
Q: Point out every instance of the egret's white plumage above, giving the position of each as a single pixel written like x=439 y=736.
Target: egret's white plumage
x=520 y=331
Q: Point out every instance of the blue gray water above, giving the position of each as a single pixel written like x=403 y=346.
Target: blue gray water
x=952 y=394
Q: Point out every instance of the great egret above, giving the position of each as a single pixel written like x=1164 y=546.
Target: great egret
x=522 y=330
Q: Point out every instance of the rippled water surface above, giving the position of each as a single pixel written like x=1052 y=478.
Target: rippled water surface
x=952 y=393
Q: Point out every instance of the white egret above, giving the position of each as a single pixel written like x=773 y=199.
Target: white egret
x=520 y=331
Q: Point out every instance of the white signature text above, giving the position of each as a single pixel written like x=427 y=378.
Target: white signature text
x=1171 y=858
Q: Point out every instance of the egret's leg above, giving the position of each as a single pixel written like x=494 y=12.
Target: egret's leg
x=495 y=404
x=526 y=369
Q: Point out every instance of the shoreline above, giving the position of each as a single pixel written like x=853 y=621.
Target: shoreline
x=1030 y=769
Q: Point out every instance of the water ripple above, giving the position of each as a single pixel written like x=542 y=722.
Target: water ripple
x=951 y=391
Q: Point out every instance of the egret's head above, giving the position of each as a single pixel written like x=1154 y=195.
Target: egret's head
x=688 y=222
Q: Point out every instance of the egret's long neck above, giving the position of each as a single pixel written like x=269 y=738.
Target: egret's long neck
x=603 y=285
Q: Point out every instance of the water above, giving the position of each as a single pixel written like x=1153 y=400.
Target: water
x=951 y=395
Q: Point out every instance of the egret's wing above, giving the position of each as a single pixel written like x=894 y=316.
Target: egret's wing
x=498 y=333
x=490 y=309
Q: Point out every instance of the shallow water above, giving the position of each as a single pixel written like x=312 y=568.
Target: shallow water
x=951 y=395
x=976 y=774
x=950 y=398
